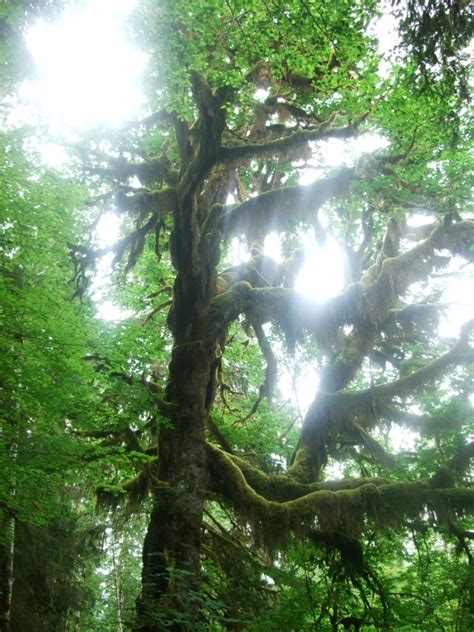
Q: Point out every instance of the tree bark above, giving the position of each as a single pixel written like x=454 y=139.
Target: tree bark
x=7 y=551
x=172 y=547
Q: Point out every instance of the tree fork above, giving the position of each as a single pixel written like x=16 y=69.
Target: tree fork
x=172 y=547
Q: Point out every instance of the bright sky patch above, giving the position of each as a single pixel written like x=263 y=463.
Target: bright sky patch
x=88 y=70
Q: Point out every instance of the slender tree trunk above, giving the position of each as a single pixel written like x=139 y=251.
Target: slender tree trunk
x=117 y=586
x=7 y=551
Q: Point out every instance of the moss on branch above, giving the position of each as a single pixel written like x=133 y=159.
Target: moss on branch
x=274 y=210
x=156 y=170
x=398 y=273
x=372 y=304
x=281 y=145
x=159 y=202
x=132 y=492
x=383 y=393
x=385 y=503
x=283 y=487
x=226 y=307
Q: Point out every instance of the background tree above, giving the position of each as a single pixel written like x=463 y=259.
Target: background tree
x=42 y=377
x=48 y=536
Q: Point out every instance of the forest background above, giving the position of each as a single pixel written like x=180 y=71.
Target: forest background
x=236 y=329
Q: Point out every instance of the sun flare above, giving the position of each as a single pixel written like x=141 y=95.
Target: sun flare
x=88 y=72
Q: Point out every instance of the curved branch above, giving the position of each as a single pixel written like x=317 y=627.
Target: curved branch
x=282 y=487
x=383 y=393
x=422 y=313
x=370 y=305
x=162 y=201
x=398 y=273
x=271 y=370
x=282 y=145
x=158 y=202
x=274 y=209
x=346 y=509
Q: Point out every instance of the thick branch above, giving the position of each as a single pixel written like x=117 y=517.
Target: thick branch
x=383 y=393
x=281 y=487
x=208 y=134
x=423 y=313
x=398 y=273
x=357 y=304
x=282 y=145
x=389 y=504
x=274 y=209
x=163 y=202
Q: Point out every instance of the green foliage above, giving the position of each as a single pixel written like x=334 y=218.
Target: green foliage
x=15 y=59
x=438 y=35
x=43 y=335
x=50 y=589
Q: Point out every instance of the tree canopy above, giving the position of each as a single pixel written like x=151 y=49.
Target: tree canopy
x=184 y=419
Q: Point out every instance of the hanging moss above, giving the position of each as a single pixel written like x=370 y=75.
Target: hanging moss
x=385 y=503
x=131 y=493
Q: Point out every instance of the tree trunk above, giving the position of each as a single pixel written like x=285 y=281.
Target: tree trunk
x=7 y=551
x=171 y=553
x=117 y=583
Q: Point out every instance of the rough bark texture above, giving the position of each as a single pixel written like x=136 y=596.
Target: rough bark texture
x=172 y=547
x=7 y=553
x=171 y=555
x=7 y=549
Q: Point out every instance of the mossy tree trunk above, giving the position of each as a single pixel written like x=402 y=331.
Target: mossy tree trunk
x=171 y=555
x=172 y=547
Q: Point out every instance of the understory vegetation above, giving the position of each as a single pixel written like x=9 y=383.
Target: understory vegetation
x=276 y=433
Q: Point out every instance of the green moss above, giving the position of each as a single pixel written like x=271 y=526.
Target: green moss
x=382 y=502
